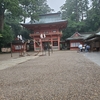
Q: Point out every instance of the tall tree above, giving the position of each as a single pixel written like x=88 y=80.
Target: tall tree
x=76 y=12
x=12 y=6
x=0 y=35
x=7 y=36
x=83 y=9
x=43 y=7
x=75 y=9
x=93 y=19
x=32 y=8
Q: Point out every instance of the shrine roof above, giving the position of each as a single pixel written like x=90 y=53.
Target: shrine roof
x=47 y=19
x=97 y=34
x=79 y=36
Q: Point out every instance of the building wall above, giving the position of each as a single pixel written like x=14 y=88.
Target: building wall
x=95 y=45
x=74 y=44
x=18 y=47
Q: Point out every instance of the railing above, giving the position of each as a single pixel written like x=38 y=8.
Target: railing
x=46 y=34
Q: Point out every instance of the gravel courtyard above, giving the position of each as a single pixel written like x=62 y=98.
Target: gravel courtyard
x=64 y=75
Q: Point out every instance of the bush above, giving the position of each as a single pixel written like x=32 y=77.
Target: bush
x=7 y=36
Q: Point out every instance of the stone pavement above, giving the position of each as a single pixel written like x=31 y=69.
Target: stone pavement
x=7 y=61
x=93 y=56
x=64 y=75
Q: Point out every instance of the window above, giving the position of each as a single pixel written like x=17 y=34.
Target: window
x=37 y=32
x=46 y=32
x=55 y=43
x=54 y=31
x=18 y=47
x=75 y=44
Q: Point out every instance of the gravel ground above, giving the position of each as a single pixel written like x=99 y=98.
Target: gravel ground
x=65 y=75
x=6 y=56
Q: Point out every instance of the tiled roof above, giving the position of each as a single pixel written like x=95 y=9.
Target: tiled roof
x=97 y=34
x=81 y=36
x=48 y=18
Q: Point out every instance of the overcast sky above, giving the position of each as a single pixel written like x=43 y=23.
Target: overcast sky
x=55 y=4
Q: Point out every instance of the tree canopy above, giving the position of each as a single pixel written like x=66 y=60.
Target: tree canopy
x=12 y=12
x=81 y=16
x=11 y=6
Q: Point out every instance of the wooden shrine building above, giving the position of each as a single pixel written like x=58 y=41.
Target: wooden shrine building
x=48 y=30
x=76 y=39
x=94 y=41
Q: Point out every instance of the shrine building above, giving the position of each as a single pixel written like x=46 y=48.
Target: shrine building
x=47 y=30
x=76 y=39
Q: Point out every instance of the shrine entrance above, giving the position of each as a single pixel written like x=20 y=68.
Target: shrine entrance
x=48 y=29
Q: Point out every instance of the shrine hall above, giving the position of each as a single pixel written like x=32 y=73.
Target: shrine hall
x=47 y=30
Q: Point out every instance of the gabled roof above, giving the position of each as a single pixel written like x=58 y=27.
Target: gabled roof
x=75 y=35
x=79 y=36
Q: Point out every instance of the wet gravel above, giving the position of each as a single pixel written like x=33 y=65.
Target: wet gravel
x=64 y=75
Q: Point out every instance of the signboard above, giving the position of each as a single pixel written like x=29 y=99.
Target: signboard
x=18 y=47
x=6 y=49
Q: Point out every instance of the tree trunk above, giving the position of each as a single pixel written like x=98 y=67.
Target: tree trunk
x=82 y=16
x=1 y=22
x=24 y=19
x=77 y=15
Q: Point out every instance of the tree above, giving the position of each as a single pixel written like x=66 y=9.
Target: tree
x=73 y=27
x=0 y=35
x=11 y=6
x=75 y=9
x=32 y=8
x=43 y=7
x=93 y=19
x=12 y=12
x=83 y=9
x=7 y=36
x=76 y=12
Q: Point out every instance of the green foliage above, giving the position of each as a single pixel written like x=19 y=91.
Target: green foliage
x=73 y=27
x=0 y=35
x=25 y=33
x=75 y=9
x=33 y=8
x=80 y=17
x=43 y=7
x=16 y=28
x=7 y=36
x=11 y=6
x=16 y=11
x=93 y=19
x=22 y=9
